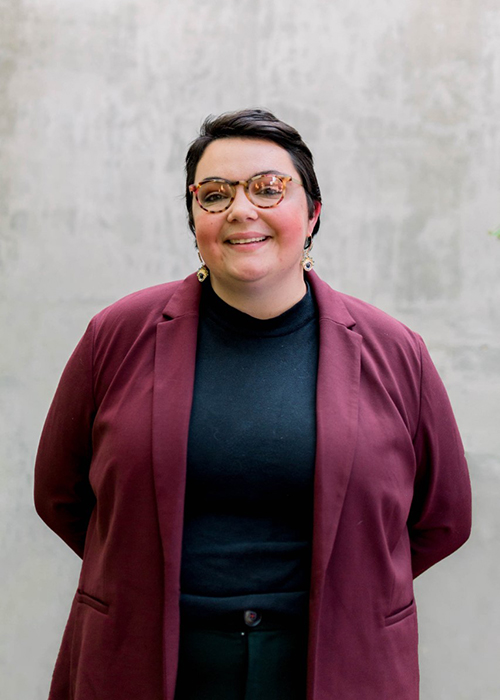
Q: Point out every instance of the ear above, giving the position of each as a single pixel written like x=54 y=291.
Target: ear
x=314 y=217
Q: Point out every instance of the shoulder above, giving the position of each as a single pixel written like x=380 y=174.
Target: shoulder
x=142 y=305
x=392 y=356
x=128 y=328
x=391 y=352
x=133 y=320
x=148 y=307
x=378 y=329
x=374 y=321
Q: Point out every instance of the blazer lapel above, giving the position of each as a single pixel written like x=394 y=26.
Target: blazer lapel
x=175 y=359
x=337 y=422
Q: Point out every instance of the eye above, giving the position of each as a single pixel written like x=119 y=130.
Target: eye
x=269 y=191
x=213 y=194
x=213 y=197
x=267 y=187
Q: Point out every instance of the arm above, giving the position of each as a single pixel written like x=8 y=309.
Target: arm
x=440 y=516
x=63 y=496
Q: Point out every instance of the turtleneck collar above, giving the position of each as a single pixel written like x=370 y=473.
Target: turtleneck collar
x=214 y=308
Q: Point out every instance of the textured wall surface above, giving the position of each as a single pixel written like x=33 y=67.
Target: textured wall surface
x=400 y=102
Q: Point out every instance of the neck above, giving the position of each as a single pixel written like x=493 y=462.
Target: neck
x=259 y=302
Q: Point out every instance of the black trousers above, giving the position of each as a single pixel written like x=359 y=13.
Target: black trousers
x=248 y=664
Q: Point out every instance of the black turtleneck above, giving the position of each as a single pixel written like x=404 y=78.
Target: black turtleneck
x=252 y=439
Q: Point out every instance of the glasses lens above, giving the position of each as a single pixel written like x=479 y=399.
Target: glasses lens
x=266 y=190
x=214 y=195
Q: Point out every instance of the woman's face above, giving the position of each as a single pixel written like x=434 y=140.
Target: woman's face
x=246 y=247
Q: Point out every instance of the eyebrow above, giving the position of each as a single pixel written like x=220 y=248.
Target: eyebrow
x=261 y=172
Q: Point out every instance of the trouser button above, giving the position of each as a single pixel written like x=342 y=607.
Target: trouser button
x=252 y=618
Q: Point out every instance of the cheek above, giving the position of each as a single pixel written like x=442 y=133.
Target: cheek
x=294 y=228
x=207 y=232
x=202 y=226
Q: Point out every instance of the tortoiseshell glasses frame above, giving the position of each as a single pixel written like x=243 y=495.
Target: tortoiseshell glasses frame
x=265 y=190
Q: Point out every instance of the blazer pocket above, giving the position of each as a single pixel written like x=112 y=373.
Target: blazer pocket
x=401 y=614
x=92 y=602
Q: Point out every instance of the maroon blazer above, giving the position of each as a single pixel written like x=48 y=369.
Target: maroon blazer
x=391 y=496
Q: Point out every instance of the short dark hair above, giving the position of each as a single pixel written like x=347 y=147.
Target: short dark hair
x=254 y=124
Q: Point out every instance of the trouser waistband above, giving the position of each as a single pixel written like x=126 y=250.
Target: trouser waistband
x=245 y=620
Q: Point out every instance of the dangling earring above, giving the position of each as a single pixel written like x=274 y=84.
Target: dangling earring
x=203 y=271
x=307 y=261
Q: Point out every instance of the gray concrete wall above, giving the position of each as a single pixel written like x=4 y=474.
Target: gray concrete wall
x=400 y=102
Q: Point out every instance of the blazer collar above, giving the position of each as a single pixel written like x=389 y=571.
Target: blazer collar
x=330 y=303
x=185 y=301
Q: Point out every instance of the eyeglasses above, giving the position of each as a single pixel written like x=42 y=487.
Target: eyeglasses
x=265 y=191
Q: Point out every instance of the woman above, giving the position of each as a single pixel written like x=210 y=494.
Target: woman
x=253 y=466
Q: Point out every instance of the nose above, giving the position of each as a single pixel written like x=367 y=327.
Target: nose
x=241 y=208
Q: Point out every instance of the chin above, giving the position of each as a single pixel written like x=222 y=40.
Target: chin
x=249 y=274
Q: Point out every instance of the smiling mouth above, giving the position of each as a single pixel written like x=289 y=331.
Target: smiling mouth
x=243 y=241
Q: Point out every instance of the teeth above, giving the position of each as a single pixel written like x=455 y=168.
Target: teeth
x=240 y=241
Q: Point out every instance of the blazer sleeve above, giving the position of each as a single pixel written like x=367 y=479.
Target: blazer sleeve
x=63 y=495
x=440 y=516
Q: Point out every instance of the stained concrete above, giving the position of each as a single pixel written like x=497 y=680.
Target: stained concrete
x=398 y=100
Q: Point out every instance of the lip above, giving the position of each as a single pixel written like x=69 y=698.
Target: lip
x=248 y=239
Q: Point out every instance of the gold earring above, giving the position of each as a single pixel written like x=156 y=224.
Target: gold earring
x=307 y=261
x=203 y=271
